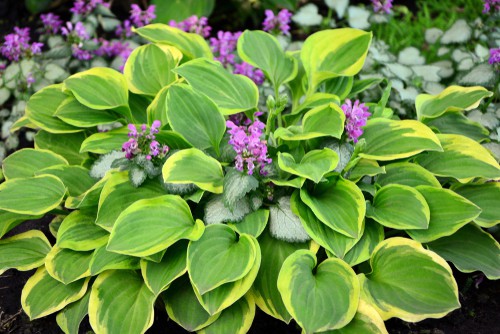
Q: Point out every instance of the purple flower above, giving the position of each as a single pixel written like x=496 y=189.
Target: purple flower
x=488 y=4
x=80 y=53
x=17 y=45
x=248 y=70
x=78 y=31
x=193 y=24
x=224 y=45
x=30 y=79
x=124 y=30
x=251 y=150
x=130 y=147
x=494 y=56
x=144 y=142
x=277 y=23
x=51 y=23
x=141 y=18
x=355 y=117
x=82 y=7
x=382 y=5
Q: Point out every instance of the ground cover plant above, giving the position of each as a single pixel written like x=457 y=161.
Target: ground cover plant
x=312 y=206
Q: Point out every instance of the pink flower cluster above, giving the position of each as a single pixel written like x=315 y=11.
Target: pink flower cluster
x=488 y=4
x=85 y=7
x=248 y=70
x=17 y=45
x=251 y=150
x=51 y=23
x=193 y=24
x=382 y=6
x=144 y=142
x=277 y=23
x=356 y=116
x=76 y=35
x=138 y=18
x=494 y=56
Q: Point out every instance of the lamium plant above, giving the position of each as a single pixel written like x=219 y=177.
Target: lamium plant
x=319 y=208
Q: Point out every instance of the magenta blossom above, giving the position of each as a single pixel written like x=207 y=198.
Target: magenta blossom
x=277 y=23
x=250 y=148
x=85 y=7
x=489 y=4
x=193 y=24
x=51 y=23
x=144 y=142
x=224 y=45
x=248 y=70
x=17 y=45
x=141 y=18
x=356 y=116
x=494 y=57
x=124 y=29
x=382 y=6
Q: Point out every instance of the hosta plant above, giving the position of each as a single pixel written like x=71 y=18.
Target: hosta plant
x=319 y=208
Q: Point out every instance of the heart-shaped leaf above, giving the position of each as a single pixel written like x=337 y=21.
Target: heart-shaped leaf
x=314 y=165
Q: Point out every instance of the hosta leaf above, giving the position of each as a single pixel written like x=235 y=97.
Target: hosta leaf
x=453 y=98
x=407 y=174
x=43 y=105
x=254 y=223
x=90 y=198
x=25 y=162
x=120 y=302
x=390 y=139
x=319 y=298
x=103 y=260
x=332 y=53
x=231 y=93
x=75 y=178
x=326 y=237
x=76 y=114
x=340 y=86
x=395 y=289
x=339 y=204
x=66 y=145
x=31 y=195
x=70 y=317
x=462 y=158
x=24 y=251
x=265 y=288
x=149 y=68
x=219 y=257
x=66 y=265
x=315 y=100
x=487 y=197
x=314 y=165
x=159 y=276
x=182 y=9
x=118 y=194
x=449 y=212
x=457 y=123
x=365 y=167
x=9 y=220
x=195 y=117
x=399 y=207
x=362 y=250
x=323 y=121
x=184 y=308
x=236 y=185
x=105 y=142
x=263 y=51
x=236 y=319
x=191 y=45
x=470 y=249
x=100 y=88
x=149 y=226
x=365 y=321
x=194 y=166
x=79 y=232
x=43 y=295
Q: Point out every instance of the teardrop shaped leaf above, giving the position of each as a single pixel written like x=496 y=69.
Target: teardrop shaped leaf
x=263 y=51
x=254 y=223
x=453 y=98
x=313 y=166
x=321 y=298
x=393 y=139
x=457 y=123
x=70 y=317
x=105 y=142
x=25 y=162
x=231 y=93
x=395 y=289
x=149 y=68
x=24 y=251
x=236 y=319
x=120 y=302
x=43 y=295
x=103 y=260
x=66 y=145
x=194 y=166
x=366 y=321
x=487 y=197
x=449 y=212
x=362 y=250
x=219 y=257
x=75 y=178
x=339 y=204
x=333 y=53
x=399 y=207
x=32 y=195
x=151 y=225
x=195 y=117
x=66 y=265
x=462 y=158
x=159 y=276
x=470 y=249
x=76 y=114
x=407 y=174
